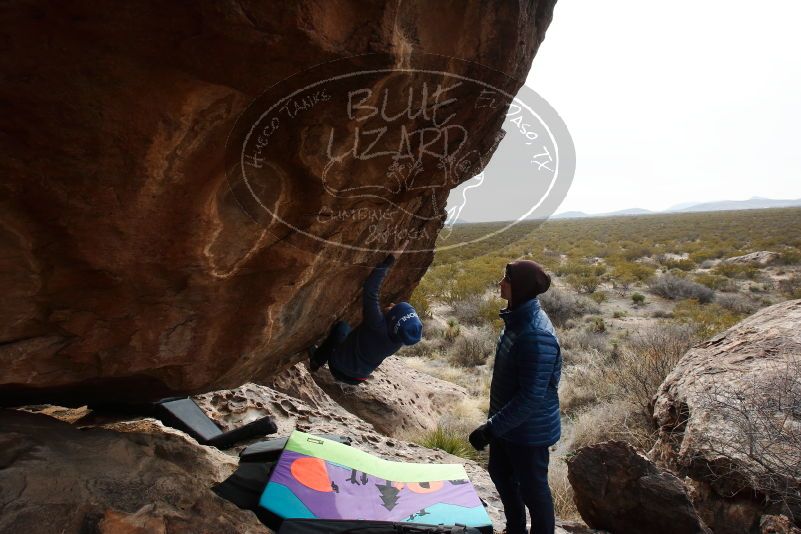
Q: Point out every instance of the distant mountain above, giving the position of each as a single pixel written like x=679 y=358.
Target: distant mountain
x=687 y=207
x=682 y=205
x=754 y=203
x=570 y=215
x=630 y=211
x=619 y=213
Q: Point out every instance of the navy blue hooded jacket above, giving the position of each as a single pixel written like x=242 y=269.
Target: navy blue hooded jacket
x=374 y=340
x=524 y=403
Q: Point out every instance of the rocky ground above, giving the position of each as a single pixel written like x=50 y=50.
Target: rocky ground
x=79 y=470
x=726 y=459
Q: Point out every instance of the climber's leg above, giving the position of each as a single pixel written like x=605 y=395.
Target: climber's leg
x=320 y=356
x=336 y=373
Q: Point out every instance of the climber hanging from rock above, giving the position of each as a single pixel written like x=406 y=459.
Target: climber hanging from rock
x=353 y=354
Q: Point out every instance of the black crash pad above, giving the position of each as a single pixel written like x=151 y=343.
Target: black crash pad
x=184 y=414
x=269 y=450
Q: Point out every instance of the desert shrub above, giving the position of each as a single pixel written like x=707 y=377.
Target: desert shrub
x=597 y=324
x=760 y=415
x=680 y=264
x=451 y=440
x=737 y=303
x=708 y=319
x=631 y=272
x=583 y=283
x=583 y=277
x=421 y=300
x=736 y=270
x=617 y=420
x=586 y=382
x=453 y=329
x=599 y=297
x=472 y=349
x=583 y=339
x=789 y=257
x=432 y=329
x=422 y=349
x=618 y=314
x=561 y=305
x=703 y=257
x=581 y=268
x=638 y=299
x=791 y=287
x=489 y=311
x=716 y=282
x=632 y=251
x=468 y=309
x=673 y=287
x=647 y=358
x=662 y=314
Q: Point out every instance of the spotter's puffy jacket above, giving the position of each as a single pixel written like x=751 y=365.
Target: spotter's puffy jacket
x=524 y=402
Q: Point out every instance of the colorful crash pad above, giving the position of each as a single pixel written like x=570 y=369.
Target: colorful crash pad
x=316 y=478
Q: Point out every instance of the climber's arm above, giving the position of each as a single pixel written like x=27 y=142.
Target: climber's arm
x=371 y=311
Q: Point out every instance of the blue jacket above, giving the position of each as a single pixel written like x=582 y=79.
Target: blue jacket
x=524 y=403
x=371 y=342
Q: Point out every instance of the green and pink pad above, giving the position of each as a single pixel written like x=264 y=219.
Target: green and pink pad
x=316 y=478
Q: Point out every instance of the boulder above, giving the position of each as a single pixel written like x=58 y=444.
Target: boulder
x=134 y=477
x=131 y=269
x=396 y=399
x=619 y=490
x=761 y=258
x=728 y=419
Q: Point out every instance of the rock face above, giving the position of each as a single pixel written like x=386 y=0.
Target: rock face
x=728 y=419
x=129 y=268
x=619 y=490
x=134 y=478
x=396 y=399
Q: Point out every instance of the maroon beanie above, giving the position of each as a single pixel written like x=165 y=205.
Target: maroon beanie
x=528 y=279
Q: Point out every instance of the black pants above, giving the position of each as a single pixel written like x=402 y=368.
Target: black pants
x=520 y=474
x=339 y=332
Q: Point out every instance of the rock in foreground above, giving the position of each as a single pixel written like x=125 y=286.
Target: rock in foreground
x=619 y=490
x=728 y=419
x=140 y=478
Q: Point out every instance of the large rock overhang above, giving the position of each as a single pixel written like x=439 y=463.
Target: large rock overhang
x=131 y=268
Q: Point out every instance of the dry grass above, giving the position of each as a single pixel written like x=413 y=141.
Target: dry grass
x=475 y=380
x=618 y=420
x=451 y=440
x=586 y=382
x=473 y=348
x=561 y=491
x=469 y=413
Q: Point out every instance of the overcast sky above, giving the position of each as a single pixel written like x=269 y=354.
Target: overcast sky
x=668 y=102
